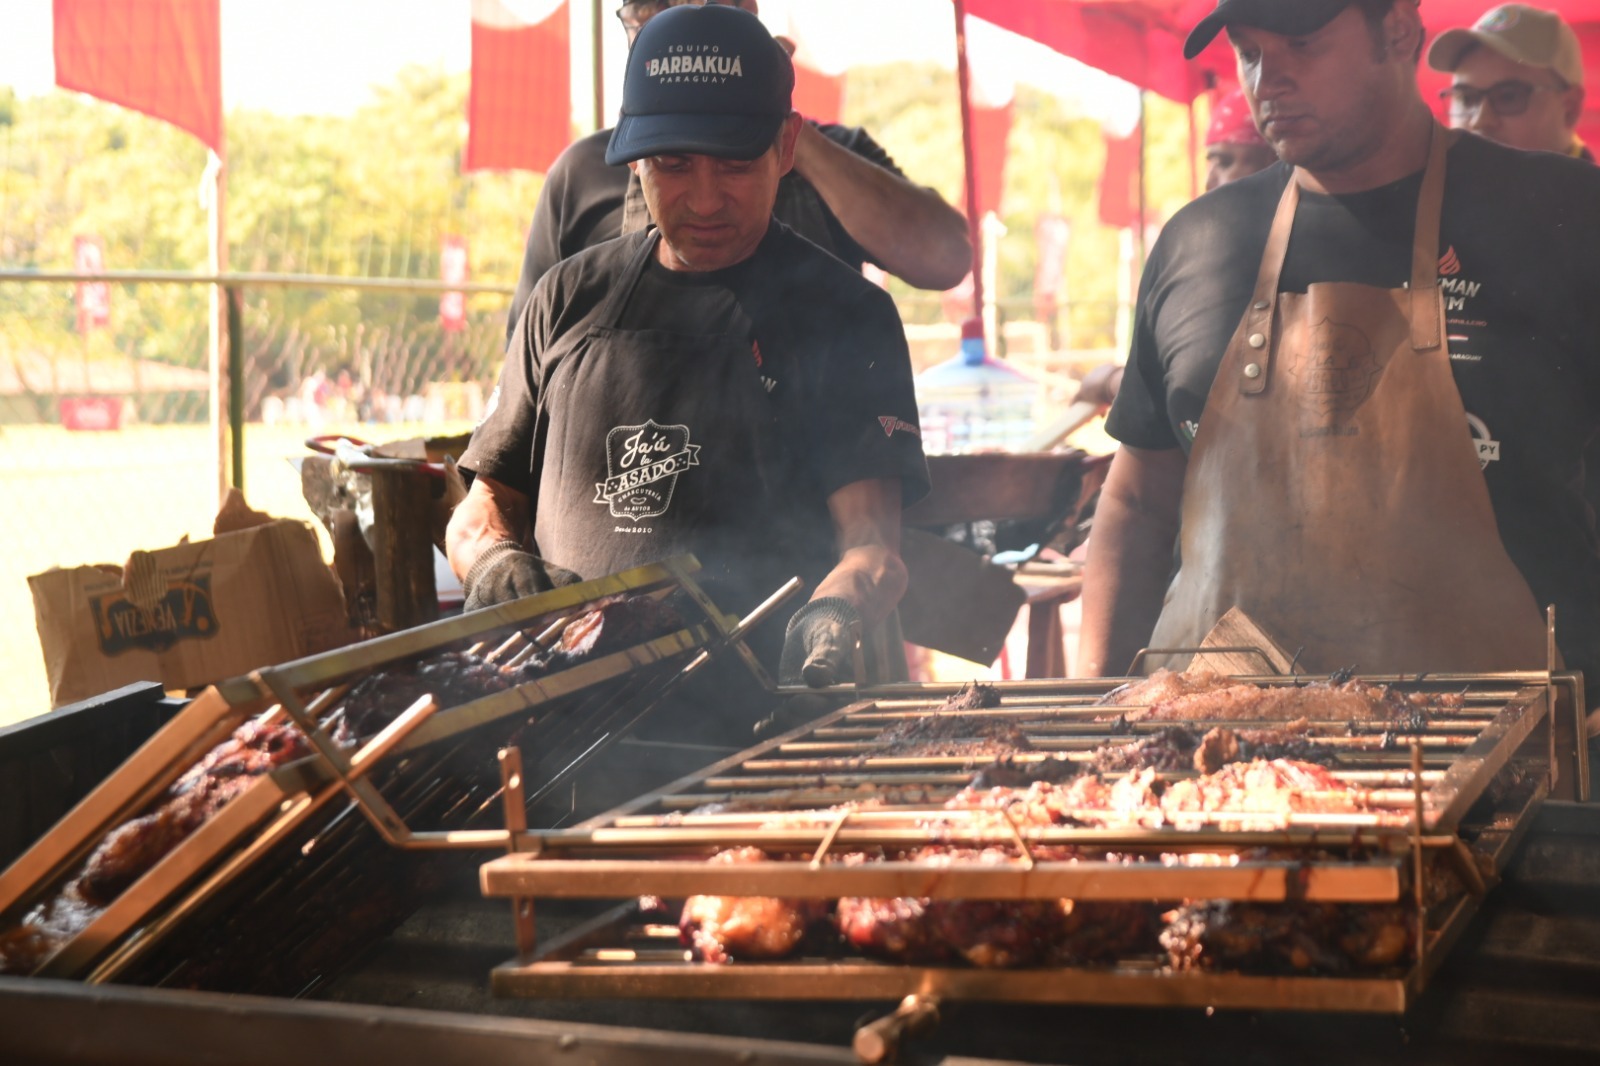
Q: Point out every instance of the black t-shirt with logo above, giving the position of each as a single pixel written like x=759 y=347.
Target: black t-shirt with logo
x=580 y=205
x=1519 y=249
x=826 y=346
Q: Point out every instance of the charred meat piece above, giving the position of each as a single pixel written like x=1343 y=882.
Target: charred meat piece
x=1178 y=749
x=1008 y=773
x=1204 y=695
x=1099 y=931
x=946 y=731
x=895 y=929
x=1265 y=787
x=451 y=678
x=1084 y=800
x=1288 y=938
x=614 y=624
x=994 y=934
x=728 y=928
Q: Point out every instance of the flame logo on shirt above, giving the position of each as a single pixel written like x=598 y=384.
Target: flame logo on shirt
x=1449 y=264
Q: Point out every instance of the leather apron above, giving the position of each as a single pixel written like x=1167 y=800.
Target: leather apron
x=664 y=443
x=1333 y=490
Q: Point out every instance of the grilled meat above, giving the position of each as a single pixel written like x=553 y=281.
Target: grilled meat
x=995 y=934
x=1265 y=787
x=451 y=678
x=946 y=731
x=897 y=929
x=131 y=849
x=1204 y=695
x=1288 y=938
x=725 y=928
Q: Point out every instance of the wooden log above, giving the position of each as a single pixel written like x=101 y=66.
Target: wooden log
x=401 y=509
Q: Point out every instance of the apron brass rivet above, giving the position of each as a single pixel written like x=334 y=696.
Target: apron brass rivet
x=1257 y=340
x=1252 y=370
x=1260 y=305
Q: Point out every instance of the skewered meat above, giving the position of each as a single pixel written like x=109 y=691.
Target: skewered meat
x=131 y=849
x=1083 y=800
x=995 y=934
x=1288 y=937
x=1202 y=695
x=452 y=678
x=725 y=928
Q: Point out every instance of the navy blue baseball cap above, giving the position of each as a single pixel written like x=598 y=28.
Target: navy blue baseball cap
x=1292 y=18
x=702 y=81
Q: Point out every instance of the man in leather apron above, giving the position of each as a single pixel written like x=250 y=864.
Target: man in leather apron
x=1309 y=434
x=713 y=385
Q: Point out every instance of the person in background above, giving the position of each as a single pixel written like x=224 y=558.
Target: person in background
x=713 y=385
x=1517 y=79
x=845 y=195
x=1234 y=147
x=1361 y=381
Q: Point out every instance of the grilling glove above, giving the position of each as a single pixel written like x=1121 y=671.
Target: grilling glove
x=505 y=572
x=819 y=645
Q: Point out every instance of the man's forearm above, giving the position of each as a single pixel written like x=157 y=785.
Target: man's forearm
x=907 y=229
x=1130 y=561
x=490 y=513
x=872 y=579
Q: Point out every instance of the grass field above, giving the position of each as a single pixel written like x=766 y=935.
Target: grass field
x=68 y=499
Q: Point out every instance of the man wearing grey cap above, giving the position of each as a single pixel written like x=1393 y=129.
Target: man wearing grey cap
x=1517 y=79
x=1361 y=381
x=714 y=385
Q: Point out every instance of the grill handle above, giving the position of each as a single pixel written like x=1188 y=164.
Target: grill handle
x=879 y=1041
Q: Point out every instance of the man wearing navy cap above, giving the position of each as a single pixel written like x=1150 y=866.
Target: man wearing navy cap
x=844 y=194
x=1361 y=381
x=715 y=385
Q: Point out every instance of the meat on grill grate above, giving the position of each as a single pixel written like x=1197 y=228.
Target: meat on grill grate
x=1289 y=938
x=725 y=928
x=1204 y=695
x=946 y=731
x=131 y=849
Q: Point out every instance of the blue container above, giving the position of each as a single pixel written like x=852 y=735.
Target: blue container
x=975 y=404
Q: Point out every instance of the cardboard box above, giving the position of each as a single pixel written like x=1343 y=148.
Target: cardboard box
x=189 y=615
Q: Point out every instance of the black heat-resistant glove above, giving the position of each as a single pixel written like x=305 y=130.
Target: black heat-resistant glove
x=819 y=645
x=505 y=572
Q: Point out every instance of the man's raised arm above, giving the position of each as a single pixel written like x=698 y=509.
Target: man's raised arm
x=907 y=229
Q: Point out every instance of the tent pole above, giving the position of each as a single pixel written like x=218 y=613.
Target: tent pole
x=1194 y=166
x=598 y=60
x=974 y=222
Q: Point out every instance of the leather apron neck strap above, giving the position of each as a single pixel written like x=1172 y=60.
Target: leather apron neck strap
x=1427 y=304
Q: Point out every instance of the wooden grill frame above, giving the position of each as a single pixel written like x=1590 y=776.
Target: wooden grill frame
x=628 y=851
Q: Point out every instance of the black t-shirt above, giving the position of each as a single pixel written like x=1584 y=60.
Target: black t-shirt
x=1521 y=282
x=581 y=205
x=827 y=347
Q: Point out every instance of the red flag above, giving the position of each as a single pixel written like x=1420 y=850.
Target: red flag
x=453 y=271
x=1119 y=181
x=519 y=107
x=93 y=298
x=991 y=129
x=161 y=57
x=818 y=96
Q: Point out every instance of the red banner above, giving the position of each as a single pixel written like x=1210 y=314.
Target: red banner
x=161 y=57
x=1051 y=234
x=991 y=130
x=93 y=298
x=1119 y=181
x=818 y=96
x=519 y=105
x=453 y=271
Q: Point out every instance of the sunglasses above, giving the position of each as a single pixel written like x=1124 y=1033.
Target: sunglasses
x=1507 y=99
